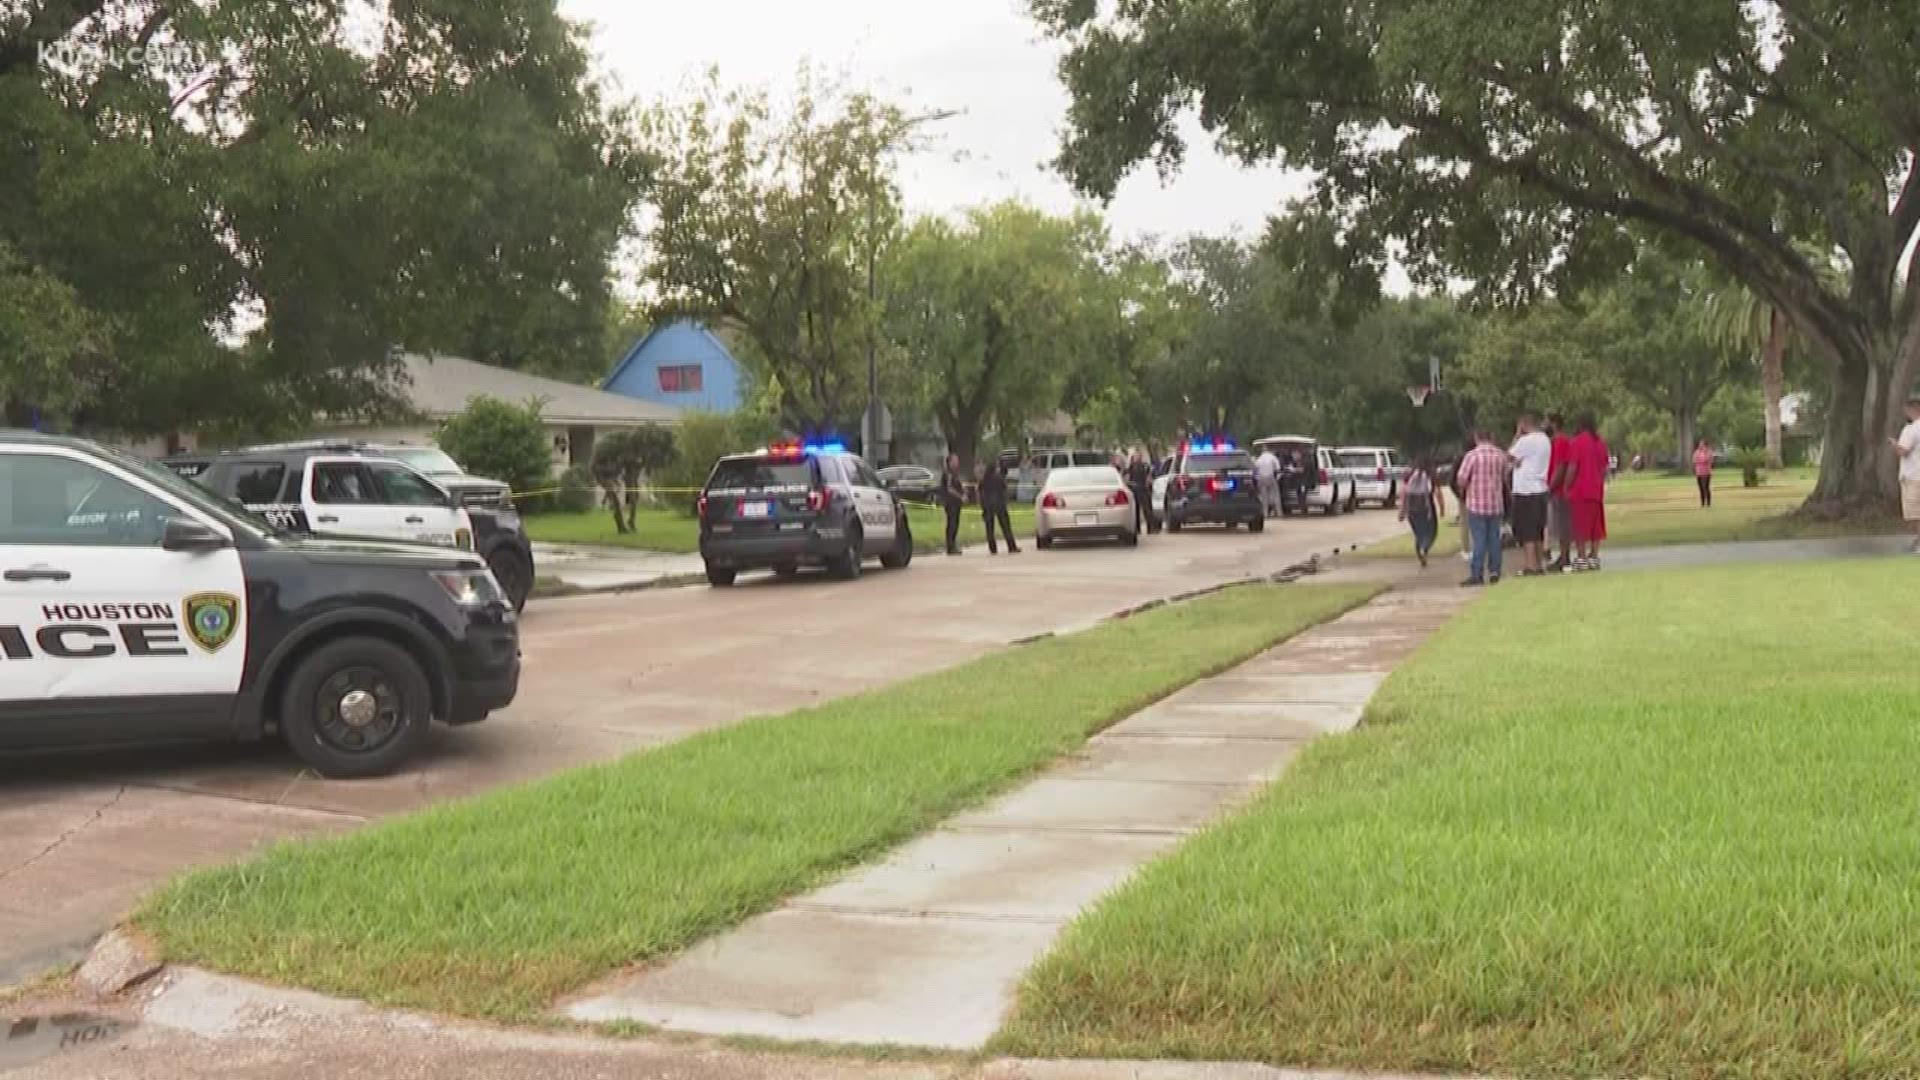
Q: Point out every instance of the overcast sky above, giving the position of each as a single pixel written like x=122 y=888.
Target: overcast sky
x=982 y=56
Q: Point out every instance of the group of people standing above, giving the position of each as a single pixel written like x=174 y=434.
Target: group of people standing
x=1547 y=485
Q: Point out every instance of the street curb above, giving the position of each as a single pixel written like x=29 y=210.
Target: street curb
x=1282 y=577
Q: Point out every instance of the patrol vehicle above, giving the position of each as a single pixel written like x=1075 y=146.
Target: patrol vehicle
x=791 y=505
x=357 y=489
x=1209 y=480
x=138 y=607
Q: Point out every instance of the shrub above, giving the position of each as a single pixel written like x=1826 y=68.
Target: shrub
x=702 y=439
x=501 y=441
x=621 y=460
x=576 y=490
x=1751 y=461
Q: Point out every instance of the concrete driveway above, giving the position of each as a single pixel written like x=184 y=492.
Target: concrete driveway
x=82 y=837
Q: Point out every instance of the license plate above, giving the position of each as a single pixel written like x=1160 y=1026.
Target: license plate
x=1086 y=519
x=755 y=509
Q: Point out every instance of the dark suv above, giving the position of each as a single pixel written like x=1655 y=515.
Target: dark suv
x=1210 y=482
x=789 y=506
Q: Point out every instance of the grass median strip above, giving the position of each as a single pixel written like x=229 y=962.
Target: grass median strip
x=497 y=905
x=1657 y=824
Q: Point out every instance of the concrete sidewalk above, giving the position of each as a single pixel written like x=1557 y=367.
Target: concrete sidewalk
x=925 y=947
x=606 y=569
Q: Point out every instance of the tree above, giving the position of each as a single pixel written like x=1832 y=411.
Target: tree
x=621 y=459
x=1516 y=146
x=325 y=181
x=1741 y=320
x=764 y=222
x=1535 y=359
x=995 y=314
x=500 y=440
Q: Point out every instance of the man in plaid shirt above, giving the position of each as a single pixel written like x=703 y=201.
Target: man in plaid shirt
x=1482 y=483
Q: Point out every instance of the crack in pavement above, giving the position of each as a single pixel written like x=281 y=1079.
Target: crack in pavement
x=98 y=812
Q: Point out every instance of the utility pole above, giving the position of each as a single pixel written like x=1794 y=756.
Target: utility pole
x=870 y=429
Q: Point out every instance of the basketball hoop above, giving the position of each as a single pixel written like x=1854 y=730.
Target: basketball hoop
x=1418 y=395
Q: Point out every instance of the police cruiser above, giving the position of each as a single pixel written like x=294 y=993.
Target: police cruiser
x=1209 y=480
x=791 y=505
x=357 y=489
x=136 y=606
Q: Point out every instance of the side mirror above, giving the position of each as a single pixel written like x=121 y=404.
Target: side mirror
x=190 y=534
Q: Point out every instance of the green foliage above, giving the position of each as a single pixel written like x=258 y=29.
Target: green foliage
x=621 y=460
x=576 y=495
x=703 y=438
x=1735 y=416
x=1533 y=150
x=460 y=188
x=502 y=441
x=1751 y=460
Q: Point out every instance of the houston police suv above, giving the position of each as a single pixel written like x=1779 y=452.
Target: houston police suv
x=1209 y=480
x=138 y=607
x=791 y=505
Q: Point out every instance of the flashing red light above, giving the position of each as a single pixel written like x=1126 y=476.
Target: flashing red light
x=1053 y=502
x=1118 y=498
x=817 y=499
x=1217 y=485
x=785 y=450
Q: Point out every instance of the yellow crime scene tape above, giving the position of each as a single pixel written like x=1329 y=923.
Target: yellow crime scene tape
x=924 y=508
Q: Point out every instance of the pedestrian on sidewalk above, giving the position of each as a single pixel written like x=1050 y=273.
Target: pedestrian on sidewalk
x=1532 y=458
x=1559 y=514
x=953 y=496
x=1266 y=473
x=1482 y=481
x=993 y=507
x=1907 y=446
x=1422 y=505
x=1587 y=492
x=1139 y=476
x=1703 y=472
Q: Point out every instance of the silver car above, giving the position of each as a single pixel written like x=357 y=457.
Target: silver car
x=1085 y=502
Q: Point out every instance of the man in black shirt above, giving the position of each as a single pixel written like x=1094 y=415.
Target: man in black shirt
x=953 y=495
x=993 y=506
x=1140 y=483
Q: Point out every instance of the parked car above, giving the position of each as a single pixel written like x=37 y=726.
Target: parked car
x=440 y=467
x=1209 y=481
x=1085 y=502
x=1033 y=474
x=1309 y=476
x=1376 y=472
x=914 y=483
x=786 y=506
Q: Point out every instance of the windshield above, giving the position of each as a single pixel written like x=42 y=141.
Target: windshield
x=1358 y=459
x=759 y=473
x=1206 y=463
x=1106 y=476
x=229 y=511
x=427 y=459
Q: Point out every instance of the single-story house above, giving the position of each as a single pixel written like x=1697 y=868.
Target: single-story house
x=683 y=365
x=439 y=387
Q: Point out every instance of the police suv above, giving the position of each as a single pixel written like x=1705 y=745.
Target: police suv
x=356 y=489
x=138 y=607
x=1209 y=480
x=791 y=505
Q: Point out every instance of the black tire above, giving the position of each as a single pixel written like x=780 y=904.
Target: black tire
x=514 y=573
x=719 y=576
x=1393 y=497
x=325 y=726
x=846 y=565
x=1353 y=499
x=1258 y=524
x=1042 y=542
x=902 y=552
x=1232 y=525
x=787 y=571
x=1173 y=524
x=1131 y=539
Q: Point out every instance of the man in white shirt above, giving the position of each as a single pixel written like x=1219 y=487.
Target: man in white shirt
x=1907 y=446
x=1266 y=475
x=1532 y=453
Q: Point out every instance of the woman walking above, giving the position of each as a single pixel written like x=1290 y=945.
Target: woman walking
x=1587 y=493
x=1703 y=471
x=1422 y=505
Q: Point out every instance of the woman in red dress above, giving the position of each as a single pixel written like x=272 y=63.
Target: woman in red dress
x=1587 y=493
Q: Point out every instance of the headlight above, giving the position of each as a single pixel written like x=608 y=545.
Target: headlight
x=470 y=588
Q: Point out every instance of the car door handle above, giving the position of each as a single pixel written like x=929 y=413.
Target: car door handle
x=38 y=573
x=327 y=519
x=416 y=521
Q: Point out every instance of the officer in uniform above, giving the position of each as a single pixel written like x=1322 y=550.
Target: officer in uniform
x=953 y=496
x=993 y=506
x=1140 y=482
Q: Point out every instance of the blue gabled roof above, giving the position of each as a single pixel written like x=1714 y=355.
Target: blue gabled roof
x=639 y=347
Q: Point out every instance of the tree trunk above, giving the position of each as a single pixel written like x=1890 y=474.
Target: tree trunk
x=1683 y=427
x=1773 y=383
x=1856 y=471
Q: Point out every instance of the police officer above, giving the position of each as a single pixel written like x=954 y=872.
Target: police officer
x=953 y=496
x=993 y=506
x=1140 y=482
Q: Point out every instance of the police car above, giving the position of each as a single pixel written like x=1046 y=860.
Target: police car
x=791 y=505
x=1208 y=480
x=357 y=489
x=135 y=607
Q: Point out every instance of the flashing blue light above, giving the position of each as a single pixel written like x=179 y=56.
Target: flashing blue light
x=1222 y=446
x=826 y=448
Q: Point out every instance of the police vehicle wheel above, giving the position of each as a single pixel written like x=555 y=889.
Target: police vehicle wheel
x=1353 y=499
x=355 y=707
x=846 y=565
x=720 y=576
x=514 y=575
x=787 y=570
x=902 y=552
x=1173 y=524
x=1258 y=524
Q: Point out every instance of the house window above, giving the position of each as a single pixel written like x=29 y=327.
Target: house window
x=679 y=378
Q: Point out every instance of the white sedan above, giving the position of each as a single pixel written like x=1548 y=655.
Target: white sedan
x=1085 y=502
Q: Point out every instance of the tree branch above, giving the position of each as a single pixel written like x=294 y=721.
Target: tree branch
x=54 y=21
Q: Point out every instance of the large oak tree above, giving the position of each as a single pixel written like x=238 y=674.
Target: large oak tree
x=1523 y=144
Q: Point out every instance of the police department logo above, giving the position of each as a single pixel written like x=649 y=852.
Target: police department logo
x=211 y=617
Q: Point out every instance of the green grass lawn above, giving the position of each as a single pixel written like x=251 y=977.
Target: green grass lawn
x=1646 y=509
x=670 y=530
x=497 y=905
x=1659 y=824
